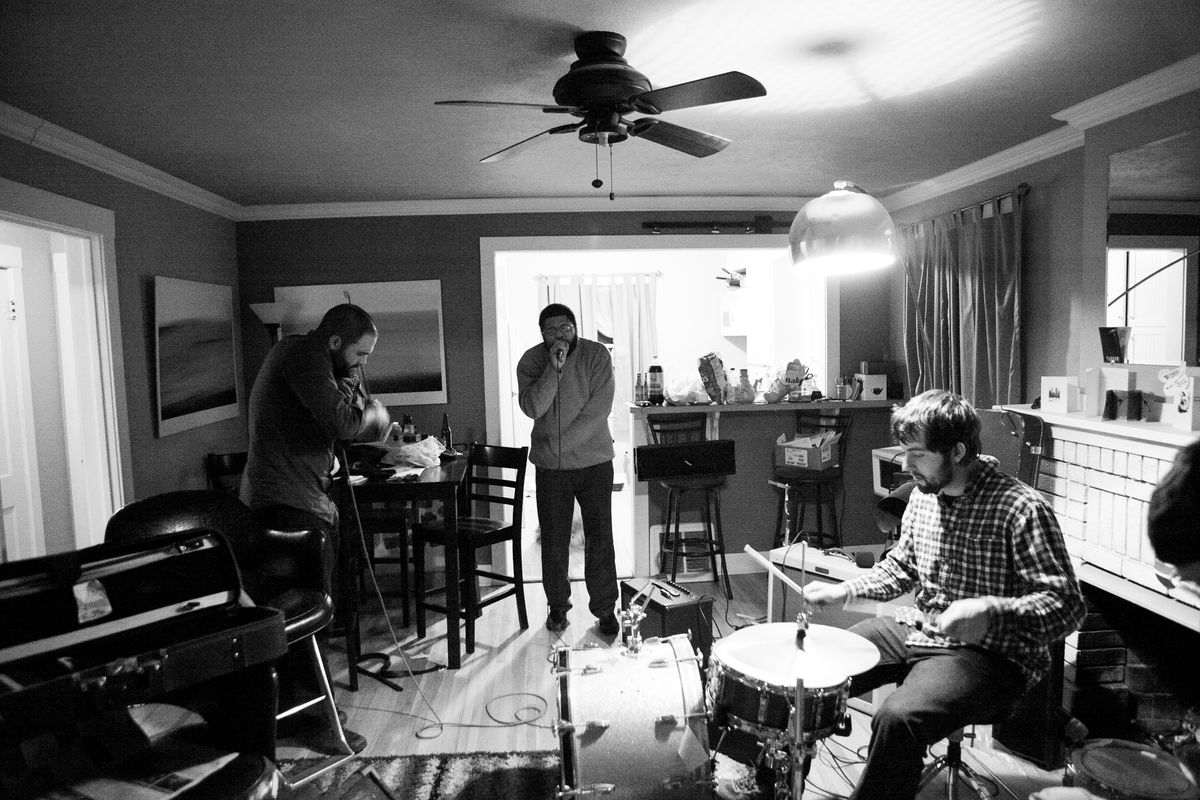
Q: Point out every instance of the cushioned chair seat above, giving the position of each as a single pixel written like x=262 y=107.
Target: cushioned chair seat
x=305 y=611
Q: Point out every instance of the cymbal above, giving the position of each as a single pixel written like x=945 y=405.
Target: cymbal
x=768 y=653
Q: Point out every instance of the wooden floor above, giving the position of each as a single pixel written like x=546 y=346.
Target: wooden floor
x=505 y=698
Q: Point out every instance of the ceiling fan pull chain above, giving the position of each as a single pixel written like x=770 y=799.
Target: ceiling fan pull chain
x=596 y=182
x=611 y=194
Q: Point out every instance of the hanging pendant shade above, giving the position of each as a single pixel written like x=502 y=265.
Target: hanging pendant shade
x=845 y=230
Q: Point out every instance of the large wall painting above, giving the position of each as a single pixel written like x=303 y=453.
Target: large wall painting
x=196 y=359
x=408 y=366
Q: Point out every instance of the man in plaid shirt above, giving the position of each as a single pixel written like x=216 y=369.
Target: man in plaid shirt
x=985 y=558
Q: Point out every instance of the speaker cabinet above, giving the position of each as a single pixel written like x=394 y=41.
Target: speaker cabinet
x=1035 y=729
x=654 y=461
x=666 y=615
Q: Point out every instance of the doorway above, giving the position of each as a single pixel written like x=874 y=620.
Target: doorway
x=67 y=448
x=717 y=317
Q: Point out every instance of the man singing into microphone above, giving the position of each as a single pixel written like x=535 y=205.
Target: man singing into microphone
x=565 y=385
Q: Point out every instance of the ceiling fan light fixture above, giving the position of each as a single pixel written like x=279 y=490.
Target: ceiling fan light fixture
x=843 y=231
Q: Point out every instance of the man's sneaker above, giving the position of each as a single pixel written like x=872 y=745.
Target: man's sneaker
x=556 y=620
x=607 y=625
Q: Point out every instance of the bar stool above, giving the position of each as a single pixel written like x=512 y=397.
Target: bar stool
x=802 y=486
x=676 y=429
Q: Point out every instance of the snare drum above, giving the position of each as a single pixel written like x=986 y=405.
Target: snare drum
x=752 y=676
x=633 y=725
x=1120 y=770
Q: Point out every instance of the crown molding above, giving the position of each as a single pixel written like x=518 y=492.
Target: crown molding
x=522 y=205
x=36 y=132
x=1169 y=82
x=1045 y=146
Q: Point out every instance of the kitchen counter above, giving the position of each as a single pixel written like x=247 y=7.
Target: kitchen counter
x=749 y=506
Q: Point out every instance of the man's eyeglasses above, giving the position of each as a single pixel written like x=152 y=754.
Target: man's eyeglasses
x=563 y=329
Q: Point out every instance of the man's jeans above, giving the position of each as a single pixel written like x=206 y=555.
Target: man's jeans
x=557 y=492
x=939 y=691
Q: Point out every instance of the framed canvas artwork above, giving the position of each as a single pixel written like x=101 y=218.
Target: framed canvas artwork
x=194 y=353
x=408 y=366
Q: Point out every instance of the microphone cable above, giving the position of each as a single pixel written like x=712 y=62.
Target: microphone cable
x=364 y=552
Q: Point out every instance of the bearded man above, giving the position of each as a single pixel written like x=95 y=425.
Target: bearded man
x=994 y=588
x=305 y=400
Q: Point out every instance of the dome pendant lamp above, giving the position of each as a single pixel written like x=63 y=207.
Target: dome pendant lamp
x=843 y=231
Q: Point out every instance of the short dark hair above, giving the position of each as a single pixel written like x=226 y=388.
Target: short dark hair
x=1173 y=519
x=940 y=419
x=347 y=321
x=556 y=310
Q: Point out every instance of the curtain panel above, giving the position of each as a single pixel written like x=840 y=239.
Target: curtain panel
x=962 y=312
x=616 y=310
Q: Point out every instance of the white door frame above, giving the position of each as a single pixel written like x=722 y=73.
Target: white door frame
x=100 y=458
x=20 y=500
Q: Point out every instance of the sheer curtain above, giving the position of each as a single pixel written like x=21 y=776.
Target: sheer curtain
x=616 y=310
x=963 y=302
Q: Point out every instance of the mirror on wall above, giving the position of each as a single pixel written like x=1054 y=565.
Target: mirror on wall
x=1153 y=274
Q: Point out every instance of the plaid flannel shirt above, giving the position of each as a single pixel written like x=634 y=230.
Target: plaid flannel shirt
x=998 y=541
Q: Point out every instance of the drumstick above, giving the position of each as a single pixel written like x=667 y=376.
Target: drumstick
x=774 y=569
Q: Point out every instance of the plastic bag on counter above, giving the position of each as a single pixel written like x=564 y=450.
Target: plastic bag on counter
x=712 y=374
x=425 y=453
x=685 y=391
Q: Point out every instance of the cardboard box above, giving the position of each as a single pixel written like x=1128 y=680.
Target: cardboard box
x=794 y=454
x=1060 y=394
x=874 y=387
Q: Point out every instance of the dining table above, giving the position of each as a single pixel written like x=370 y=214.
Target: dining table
x=441 y=482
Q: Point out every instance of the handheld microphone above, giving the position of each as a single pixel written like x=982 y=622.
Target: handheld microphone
x=560 y=358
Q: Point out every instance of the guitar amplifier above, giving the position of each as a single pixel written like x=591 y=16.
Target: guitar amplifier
x=684 y=459
x=680 y=611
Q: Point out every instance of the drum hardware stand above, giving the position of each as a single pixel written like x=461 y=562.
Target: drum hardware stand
x=631 y=628
x=632 y=616
x=956 y=770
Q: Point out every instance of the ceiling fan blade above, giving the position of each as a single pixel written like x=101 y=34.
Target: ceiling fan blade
x=705 y=91
x=549 y=109
x=513 y=149
x=685 y=140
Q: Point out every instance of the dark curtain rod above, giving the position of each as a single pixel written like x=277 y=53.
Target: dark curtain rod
x=760 y=224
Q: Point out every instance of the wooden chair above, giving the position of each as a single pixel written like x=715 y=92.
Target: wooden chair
x=802 y=486
x=494 y=486
x=677 y=429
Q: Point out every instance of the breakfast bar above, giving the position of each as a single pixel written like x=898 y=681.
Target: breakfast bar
x=749 y=503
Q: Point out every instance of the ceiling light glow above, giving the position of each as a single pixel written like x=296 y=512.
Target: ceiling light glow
x=815 y=55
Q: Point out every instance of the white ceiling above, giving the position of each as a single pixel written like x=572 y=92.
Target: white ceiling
x=267 y=102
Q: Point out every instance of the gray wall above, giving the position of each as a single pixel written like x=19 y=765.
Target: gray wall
x=154 y=236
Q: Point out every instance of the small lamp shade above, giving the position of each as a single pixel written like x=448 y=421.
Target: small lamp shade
x=845 y=230
x=890 y=510
x=268 y=313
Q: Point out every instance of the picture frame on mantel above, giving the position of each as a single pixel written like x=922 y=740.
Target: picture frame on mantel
x=195 y=357
x=408 y=366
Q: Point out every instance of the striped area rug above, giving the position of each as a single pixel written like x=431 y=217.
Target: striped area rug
x=443 y=776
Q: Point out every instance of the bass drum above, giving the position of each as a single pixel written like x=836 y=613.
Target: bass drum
x=633 y=725
x=1120 y=770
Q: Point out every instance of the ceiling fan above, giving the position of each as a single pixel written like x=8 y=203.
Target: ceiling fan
x=601 y=88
